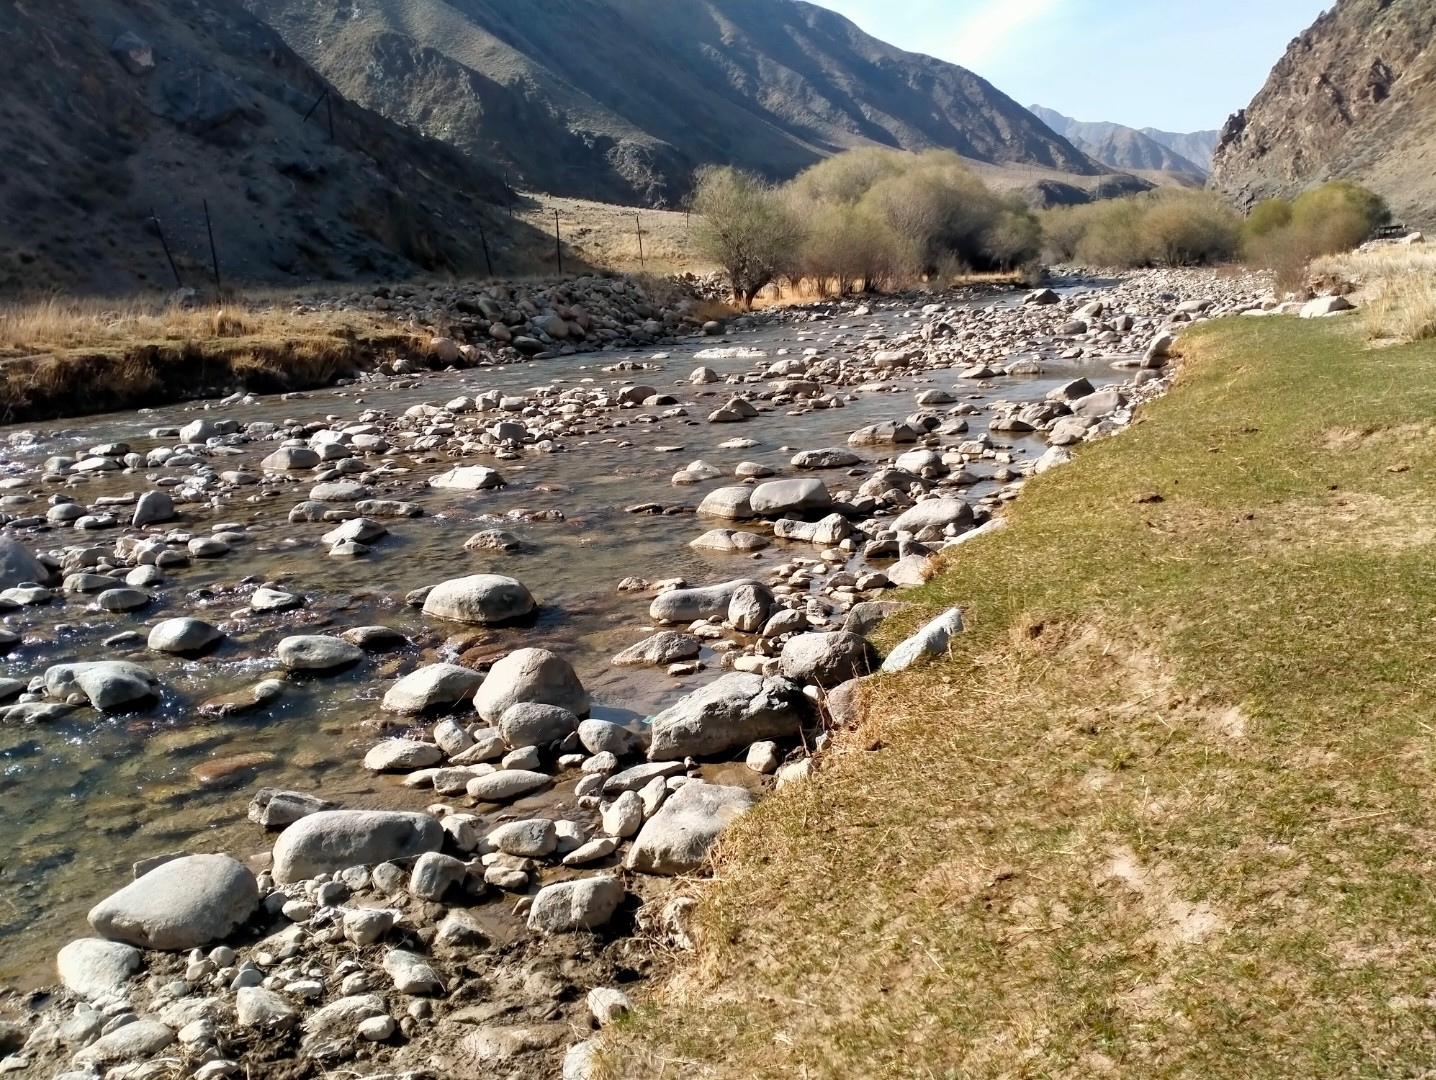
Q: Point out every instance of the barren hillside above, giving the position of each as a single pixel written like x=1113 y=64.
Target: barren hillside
x=1355 y=98
x=114 y=109
x=621 y=99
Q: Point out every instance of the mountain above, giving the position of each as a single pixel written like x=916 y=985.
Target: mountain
x=1118 y=146
x=1195 y=146
x=621 y=100
x=117 y=109
x=1353 y=98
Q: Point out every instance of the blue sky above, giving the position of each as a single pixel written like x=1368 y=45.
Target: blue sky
x=1179 y=65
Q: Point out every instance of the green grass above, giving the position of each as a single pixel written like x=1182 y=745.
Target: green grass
x=1167 y=809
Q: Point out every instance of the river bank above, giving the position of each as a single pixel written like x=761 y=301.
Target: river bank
x=77 y=358
x=1165 y=808
x=682 y=533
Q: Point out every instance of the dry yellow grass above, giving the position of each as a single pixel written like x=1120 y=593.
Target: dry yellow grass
x=607 y=236
x=1397 y=289
x=70 y=357
x=1166 y=810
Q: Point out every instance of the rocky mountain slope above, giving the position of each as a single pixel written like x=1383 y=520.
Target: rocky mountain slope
x=1195 y=146
x=1118 y=146
x=113 y=109
x=621 y=99
x=1353 y=98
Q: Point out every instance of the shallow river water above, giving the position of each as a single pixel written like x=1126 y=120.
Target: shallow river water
x=83 y=798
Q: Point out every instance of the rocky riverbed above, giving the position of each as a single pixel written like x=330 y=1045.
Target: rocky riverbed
x=385 y=728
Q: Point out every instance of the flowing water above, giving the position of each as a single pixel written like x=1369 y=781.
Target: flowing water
x=85 y=797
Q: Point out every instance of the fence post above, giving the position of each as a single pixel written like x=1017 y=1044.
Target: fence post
x=558 y=243
x=213 y=253
x=483 y=239
x=168 y=257
x=638 y=221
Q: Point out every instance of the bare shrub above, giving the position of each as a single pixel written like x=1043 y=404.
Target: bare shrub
x=746 y=226
x=1284 y=237
x=1160 y=228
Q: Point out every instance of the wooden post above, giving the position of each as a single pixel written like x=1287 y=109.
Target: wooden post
x=485 y=241
x=168 y=257
x=213 y=253
x=316 y=105
x=558 y=243
x=639 y=222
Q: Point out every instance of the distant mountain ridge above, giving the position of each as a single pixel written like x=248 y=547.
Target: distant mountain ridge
x=1195 y=146
x=1354 y=98
x=1123 y=147
x=622 y=99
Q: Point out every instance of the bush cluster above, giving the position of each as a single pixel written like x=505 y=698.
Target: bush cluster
x=1285 y=236
x=1169 y=227
x=883 y=219
x=864 y=219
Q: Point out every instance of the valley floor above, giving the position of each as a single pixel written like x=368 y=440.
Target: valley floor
x=1165 y=810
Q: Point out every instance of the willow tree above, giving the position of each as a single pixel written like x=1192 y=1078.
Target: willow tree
x=746 y=226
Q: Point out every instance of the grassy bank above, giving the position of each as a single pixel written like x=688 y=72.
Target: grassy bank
x=74 y=358
x=1167 y=809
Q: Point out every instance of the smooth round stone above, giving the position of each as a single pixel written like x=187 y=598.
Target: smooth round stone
x=507 y=785
x=317 y=653
x=123 y=599
x=207 y=547
x=402 y=755
x=142 y=576
x=180 y=904
x=183 y=636
x=274 y=600
x=481 y=600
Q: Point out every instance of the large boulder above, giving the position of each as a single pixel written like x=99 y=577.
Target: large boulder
x=19 y=566
x=531 y=724
x=677 y=838
x=181 y=904
x=829 y=457
x=585 y=904
x=830 y=532
x=108 y=684
x=152 y=507
x=825 y=659
x=317 y=652
x=888 y=433
x=433 y=686
x=663 y=648
x=931 y=640
x=939 y=513
x=182 y=636
x=94 y=967
x=467 y=478
x=135 y=1041
x=531 y=675
x=275 y=809
x=480 y=600
x=728 y=503
x=1323 y=306
x=778 y=497
x=685 y=605
x=334 y=840
x=291 y=459
x=730 y=712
